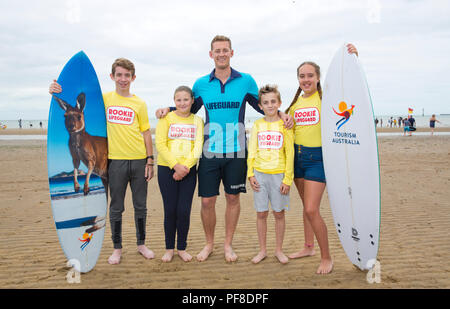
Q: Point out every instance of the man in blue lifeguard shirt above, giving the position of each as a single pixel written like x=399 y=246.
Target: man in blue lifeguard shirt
x=224 y=93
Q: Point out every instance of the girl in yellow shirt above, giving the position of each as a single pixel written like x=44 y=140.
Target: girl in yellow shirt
x=179 y=142
x=309 y=175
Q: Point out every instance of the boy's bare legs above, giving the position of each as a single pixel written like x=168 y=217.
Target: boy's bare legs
x=208 y=215
x=232 y=212
x=261 y=227
x=280 y=226
x=308 y=249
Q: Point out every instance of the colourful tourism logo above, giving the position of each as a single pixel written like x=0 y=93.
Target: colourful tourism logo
x=345 y=112
x=86 y=240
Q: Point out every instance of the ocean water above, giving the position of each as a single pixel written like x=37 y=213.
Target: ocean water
x=63 y=186
x=421 y=121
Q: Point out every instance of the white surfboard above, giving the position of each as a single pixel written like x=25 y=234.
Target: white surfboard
x=350 y=154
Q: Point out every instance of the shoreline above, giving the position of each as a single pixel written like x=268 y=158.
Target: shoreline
x=152 y=130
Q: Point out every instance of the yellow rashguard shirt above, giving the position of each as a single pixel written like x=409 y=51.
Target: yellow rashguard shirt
x=179 y=140
x=126 y=118
x=306 y=114
x=271 y=150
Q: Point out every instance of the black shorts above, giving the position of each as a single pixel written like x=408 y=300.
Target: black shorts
x=232 y=171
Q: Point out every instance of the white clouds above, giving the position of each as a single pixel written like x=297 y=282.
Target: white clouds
x=73 y=13
x=404 y=45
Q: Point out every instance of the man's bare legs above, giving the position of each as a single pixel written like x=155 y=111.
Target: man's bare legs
x=208 y=215
x=232 y=211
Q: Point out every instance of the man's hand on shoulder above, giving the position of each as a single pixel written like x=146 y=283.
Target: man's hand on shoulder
x=287 y=119
x=162 y=112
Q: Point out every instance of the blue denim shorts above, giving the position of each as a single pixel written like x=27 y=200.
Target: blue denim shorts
x=308 y=163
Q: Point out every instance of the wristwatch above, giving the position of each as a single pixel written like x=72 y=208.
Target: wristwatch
x=150 y=157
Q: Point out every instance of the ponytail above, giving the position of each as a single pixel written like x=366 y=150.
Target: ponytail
x=297 y=94
x=299 y=90
x=319 y=89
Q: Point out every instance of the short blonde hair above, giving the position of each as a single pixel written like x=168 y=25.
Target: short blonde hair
x=220 y=38
x=269 y=89
x=123 y=63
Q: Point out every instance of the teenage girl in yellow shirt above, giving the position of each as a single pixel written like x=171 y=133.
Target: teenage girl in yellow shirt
x=309 y=175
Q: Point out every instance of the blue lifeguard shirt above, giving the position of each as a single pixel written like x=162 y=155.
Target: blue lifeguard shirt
x=225 y=110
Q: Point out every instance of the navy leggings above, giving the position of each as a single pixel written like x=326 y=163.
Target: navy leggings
x=177 y=198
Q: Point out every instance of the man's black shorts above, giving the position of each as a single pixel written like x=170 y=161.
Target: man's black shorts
x=232 y=171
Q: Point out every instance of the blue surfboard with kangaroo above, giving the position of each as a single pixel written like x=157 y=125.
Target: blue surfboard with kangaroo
x=77 y=157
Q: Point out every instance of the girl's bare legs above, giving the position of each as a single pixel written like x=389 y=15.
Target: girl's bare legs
x=308 y=249
x=313 y=192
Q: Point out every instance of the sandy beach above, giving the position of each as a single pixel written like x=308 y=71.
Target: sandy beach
x=414 y=243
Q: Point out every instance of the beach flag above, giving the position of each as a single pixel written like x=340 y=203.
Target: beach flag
x=410 y=110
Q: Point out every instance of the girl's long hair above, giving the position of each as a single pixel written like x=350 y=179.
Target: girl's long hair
x=299 y=90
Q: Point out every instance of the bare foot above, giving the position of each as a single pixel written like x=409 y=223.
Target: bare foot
x=259 y=257
x=307 y=251
x=167 y=257
x=147 y=253
x=282 y=257
x=204 y=254
x=230 y=256
x=325 y=267
x=115 y=257
x=184 y=255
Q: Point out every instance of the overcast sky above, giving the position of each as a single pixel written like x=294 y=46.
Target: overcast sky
x=404 y=46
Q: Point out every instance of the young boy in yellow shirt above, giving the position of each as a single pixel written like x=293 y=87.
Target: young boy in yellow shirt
x=270 y=169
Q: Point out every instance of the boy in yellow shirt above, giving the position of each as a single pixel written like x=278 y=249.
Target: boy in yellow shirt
x=130 y=154
x=179 y=141
x=270 y=169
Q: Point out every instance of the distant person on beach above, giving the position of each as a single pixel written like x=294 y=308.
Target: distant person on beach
x=412 y=122
x=270 y=170
x=130 y=155
x=224 y=93
x=179 y=142
x=406 y=127
x=376 y=122
x=400 y=122
x=409 y=126
x=20 y=123
x=433 y=121
x=309 y=174
x=40 y=124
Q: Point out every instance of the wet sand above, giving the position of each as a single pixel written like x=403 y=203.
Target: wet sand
x=414 y=244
